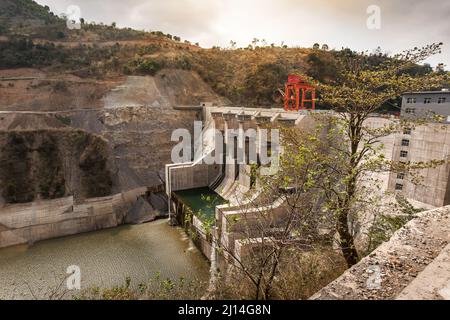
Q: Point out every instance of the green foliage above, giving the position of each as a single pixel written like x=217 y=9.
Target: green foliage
x=151 y=49
x=112 y=33
x=322 y=66
x=21 y=52
x=145 y=66
x=150 y=67
x=361 y=89
x=32 y=163
x=65 y=120
x=156 y=288
x=260 y=87
x=385 y=225
x=27 y=9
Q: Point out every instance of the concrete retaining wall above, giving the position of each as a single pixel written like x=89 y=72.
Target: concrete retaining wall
x=31 y=222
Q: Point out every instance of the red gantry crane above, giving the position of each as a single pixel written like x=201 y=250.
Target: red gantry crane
x=299 y=95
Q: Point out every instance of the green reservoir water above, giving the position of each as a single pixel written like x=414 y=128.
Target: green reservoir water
x=201 y=200
x=105 y=259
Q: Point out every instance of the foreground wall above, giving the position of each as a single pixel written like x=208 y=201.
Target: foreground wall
x=31 y=222
x=413 y=264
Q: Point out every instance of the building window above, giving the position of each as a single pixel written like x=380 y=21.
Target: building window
x=442 y=100
x=398 y=187
x=427 y=100
x=410 y=110
x=407 y=131
x=401 y=175
x=403 y=154
x=411 y=100
x=405 y=143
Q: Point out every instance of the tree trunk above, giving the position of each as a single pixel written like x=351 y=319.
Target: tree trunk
x=347 y=242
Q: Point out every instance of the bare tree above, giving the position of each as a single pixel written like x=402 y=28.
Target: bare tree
x=276 y=222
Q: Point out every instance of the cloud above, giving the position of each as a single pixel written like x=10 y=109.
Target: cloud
x=188 y=17
x=405 y=24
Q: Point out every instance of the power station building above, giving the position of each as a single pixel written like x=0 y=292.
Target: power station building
x=426 y=104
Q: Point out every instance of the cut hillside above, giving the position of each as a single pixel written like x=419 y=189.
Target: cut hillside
x=37 y=90
x=49 y=164
x=137 y=122
x=168 y=88
x=31 y=121
x=139 y=118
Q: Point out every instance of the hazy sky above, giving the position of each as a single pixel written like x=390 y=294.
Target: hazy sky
x=404 y=23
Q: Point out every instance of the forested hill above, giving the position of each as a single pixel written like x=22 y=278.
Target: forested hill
x=32 y=36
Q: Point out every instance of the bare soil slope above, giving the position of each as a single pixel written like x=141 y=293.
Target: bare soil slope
x=36 y=90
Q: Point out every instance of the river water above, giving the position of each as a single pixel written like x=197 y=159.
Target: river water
x=105 y=259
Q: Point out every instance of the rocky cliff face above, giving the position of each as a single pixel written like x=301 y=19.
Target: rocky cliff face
x=139 y=118
x=49 y=164
x=119 y=147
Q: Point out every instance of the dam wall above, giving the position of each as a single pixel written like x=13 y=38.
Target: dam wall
x=36 y=221
x=190 y=176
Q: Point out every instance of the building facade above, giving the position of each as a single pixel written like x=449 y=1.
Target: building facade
x=426 y=104
x=423 y=144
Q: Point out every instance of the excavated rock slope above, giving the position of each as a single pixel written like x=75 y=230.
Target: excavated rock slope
x=169 y=88
x=35 y=90
x=49 y=164
x=136 y=122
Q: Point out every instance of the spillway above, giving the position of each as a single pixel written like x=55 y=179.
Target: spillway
x=201 y=201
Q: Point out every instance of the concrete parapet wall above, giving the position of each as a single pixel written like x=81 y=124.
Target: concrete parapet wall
x=393 y=266
x=31 y=222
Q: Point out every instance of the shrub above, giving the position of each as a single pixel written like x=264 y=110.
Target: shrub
x=150 y=67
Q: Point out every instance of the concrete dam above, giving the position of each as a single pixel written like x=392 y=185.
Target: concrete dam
x=207 y=199
x=217 y=226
